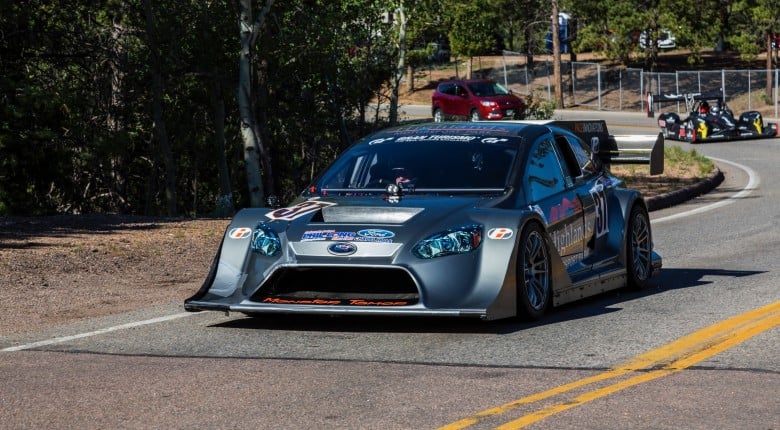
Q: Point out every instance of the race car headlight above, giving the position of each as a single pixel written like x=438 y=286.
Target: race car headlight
x=456 y=241
x=488 y=103
x=265 y=241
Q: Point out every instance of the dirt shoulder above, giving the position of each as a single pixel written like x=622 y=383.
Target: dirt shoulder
x=56 y=270
x=61 y=269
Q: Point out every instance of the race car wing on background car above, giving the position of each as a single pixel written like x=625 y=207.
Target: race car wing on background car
x=645 y=150
x=689 y=99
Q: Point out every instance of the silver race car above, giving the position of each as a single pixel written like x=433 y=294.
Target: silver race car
x=487 y=220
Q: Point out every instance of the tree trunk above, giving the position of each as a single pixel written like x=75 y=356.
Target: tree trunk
x=157 y=112
x=225 y=202
x=401 y=67
x=224 y=205
x=529 y=48
x=556 y=42
x=261 y=127
x=116 y=112
x=769 y=79
x=409 y=79
x=249 y=137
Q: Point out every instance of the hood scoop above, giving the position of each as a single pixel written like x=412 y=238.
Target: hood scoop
x=368 y=214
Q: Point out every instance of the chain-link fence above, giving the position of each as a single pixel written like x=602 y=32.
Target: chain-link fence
x=601 y=87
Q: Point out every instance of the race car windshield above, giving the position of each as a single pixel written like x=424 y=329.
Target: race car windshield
x=424 y=163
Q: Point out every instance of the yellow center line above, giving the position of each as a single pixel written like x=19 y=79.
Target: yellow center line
x=672 y=357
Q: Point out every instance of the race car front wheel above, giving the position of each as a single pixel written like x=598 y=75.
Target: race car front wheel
x=639 y=248
x=534 y=287
x=690 y=132
x=438 y=115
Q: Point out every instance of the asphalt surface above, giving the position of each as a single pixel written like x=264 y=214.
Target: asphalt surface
x=698 y=349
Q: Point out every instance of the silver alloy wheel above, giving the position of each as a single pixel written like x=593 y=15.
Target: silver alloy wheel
x=640 y=246
x=438 y=116
x=475 y=115
x=536 y=271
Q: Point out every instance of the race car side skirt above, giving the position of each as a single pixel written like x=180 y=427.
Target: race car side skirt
x=610 y=278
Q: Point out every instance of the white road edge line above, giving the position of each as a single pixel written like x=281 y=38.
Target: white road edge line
x=753 y=181
x=96 y=332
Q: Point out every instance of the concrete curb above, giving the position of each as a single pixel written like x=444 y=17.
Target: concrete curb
x=684 y=194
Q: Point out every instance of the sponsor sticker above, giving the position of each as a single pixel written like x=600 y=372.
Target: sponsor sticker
x=500 y=233
x=495 y=139
x=376 y=233
x=240 y=233
x=343 y=235
x=365 y=235
x=311 y=235
x=342 y=248
x=334 y=302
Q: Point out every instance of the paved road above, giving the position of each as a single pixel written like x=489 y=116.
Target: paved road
x=697 y=350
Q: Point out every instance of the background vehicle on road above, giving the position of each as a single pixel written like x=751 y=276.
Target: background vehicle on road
x=665 y=40
x=488 y=220
x=475 y=100
x=709 y=119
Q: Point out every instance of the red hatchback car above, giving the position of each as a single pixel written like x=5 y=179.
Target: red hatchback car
x=475 y=100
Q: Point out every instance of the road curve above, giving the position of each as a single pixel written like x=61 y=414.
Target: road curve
x=698 y=349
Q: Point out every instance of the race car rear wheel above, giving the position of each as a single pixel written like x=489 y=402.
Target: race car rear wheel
x=534 y=284
x=639 y=248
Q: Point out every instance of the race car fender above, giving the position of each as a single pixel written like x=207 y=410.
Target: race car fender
x=228 y=269
x=503 y=258
x=620 y=212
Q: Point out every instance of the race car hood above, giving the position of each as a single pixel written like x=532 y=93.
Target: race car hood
x=372 y=218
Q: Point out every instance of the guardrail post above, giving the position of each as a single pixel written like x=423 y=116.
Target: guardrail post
x=598 y=74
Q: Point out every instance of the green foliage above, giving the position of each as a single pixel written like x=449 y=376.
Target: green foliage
x=471 y=28
x=76 y=129
x=538 y=108
x=675 y=156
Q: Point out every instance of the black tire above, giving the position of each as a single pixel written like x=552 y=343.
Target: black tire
x=639 y=248
x=438 y=115
x=690 y=132
x=474 y=115
x=534 y=274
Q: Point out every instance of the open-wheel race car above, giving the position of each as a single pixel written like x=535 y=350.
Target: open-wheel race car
x=709 y=119
x=459 y=219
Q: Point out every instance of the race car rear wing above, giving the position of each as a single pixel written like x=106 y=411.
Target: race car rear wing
x=644 y=150
x=689 y=98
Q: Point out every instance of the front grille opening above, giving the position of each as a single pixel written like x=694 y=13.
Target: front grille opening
x=339 y=286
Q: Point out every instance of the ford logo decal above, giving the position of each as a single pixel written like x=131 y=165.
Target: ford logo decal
x=342 y=248
x=375 y=232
